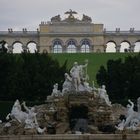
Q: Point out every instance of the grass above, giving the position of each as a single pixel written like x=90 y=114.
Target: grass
x=95 y=60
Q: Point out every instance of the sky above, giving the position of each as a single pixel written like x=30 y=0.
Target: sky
x=18 y=14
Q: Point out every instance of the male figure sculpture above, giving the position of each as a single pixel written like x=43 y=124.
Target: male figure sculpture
x=75 y=73
x=78 y=74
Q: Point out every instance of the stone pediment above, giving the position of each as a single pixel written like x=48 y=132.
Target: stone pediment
x=71 y=18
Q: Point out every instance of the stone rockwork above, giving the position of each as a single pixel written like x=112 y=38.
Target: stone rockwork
x=99 y=113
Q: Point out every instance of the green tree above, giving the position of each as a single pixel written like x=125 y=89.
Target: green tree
x=121 y=78
x=101 y=76
x=29 y=76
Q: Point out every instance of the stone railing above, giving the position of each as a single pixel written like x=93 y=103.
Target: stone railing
x=18 y=33
x=73 y=137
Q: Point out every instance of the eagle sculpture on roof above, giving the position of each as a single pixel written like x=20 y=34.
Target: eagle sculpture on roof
x=70 y=13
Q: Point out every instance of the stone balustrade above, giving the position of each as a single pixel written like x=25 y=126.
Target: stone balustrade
x=73 y=137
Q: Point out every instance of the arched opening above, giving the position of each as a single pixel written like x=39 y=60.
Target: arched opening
x=85 y=46
x=110 y=47
x=57 y=46
x=137 y=47
x=125 y=46
x=78 y=117
x=71 y=47
x=32 y=47
x=17 y=47
x=3 y=44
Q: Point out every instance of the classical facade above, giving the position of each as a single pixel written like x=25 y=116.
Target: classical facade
x=71 y=35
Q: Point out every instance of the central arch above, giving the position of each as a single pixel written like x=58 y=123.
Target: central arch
x=71 y=46
x=85 y=46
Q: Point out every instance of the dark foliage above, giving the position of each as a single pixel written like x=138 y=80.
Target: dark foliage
x=122 y=78
x=29 y=76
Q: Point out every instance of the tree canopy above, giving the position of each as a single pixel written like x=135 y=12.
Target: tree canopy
x=29 y=76
x=121 y=77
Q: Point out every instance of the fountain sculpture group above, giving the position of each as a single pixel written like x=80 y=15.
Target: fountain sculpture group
x=57 y=116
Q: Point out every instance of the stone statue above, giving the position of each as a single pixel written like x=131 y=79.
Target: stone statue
x=83 y=71
x=27 y=118
x=31 y=120
x=84 y=86
x=135 y=122
x=130 y=113
x=78 y=74
x=55 y=91
x=103 y=95
x=17 y=113
x=93 y=86
x=86 y=18
x=56 y=18
x=120 y=126
x=67 y=85
x=75 y=73
x=132 y=118
x=70 y=13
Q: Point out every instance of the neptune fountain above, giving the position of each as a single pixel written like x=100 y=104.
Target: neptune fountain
x=78 y=108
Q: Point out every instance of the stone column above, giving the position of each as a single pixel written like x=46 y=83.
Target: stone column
x=118 y=48
x=44 y=49
x=64 y=49
x=49 y=48
x=38 y=48
x=10 y=49
x=78 y=49
x=105 y=46
x=132 y=48
x=25 y=49
x=92 y=48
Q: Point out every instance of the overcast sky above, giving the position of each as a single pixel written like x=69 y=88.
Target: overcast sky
x=18 y=14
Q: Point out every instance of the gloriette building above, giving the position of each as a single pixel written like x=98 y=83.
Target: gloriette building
x=70 y=35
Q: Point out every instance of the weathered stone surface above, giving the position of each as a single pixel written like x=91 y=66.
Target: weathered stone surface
x=30 y=131
x=117 y=110
x=98 y=112
x=15 y=128
x=62 y=128
x=93 y=130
